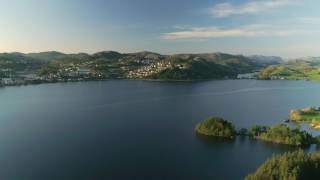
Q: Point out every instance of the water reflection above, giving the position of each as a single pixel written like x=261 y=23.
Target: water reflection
x=212 y=141
x=249 y=141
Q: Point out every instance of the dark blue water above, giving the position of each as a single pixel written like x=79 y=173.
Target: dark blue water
x=139 y=129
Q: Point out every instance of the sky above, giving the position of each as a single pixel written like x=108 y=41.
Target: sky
x=287 y=28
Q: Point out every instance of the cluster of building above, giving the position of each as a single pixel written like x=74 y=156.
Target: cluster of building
x=247 y=76
x=274 y=77
x=68 y=74
x=153 y=68
x=8 y=77
x=144 y=61
x=149 y=70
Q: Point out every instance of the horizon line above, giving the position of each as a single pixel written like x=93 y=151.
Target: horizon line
x=165 y=54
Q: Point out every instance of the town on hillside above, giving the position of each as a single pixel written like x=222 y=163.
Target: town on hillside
x=21 y=69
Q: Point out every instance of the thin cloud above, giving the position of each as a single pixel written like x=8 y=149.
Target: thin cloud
x=253 y=7
x=255 y=30
x=309 y=20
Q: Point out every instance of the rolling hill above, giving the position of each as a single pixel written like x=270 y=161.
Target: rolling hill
x=140 y=65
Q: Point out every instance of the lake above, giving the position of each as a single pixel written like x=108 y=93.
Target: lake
x=140 y=129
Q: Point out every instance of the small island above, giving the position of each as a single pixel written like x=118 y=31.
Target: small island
x=290 y=165
x=309 y=115
x=281 y=134
x=216 y=127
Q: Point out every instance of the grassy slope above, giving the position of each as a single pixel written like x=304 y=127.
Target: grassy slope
x=307 y=115
x=295 y=70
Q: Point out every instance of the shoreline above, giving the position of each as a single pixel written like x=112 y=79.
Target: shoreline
x=147 y=80
x=308 y=115
x=121 y=79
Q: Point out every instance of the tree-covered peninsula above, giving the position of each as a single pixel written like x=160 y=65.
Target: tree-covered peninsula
x=216 y=127
x=309 y=115
x=289 y=166
x=281 y=134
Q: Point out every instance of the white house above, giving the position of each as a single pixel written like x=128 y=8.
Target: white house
x=84 y=71
x=7 y=81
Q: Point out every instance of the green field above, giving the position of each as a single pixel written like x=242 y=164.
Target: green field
x=292 y=70
x=310 y=115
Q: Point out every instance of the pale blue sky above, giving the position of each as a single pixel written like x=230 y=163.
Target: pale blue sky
x=288 y=28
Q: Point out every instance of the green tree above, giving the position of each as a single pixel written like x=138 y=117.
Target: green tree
x=289 y=166
x=216 y=126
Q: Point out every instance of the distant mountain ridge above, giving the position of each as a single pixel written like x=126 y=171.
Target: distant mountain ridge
x=275 y=59
x=139 y=65
x=46 y=56
x=55 y=55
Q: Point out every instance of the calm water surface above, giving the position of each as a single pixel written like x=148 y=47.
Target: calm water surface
x=139 y=129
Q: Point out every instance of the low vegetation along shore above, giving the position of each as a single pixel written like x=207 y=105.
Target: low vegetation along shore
x=309 y=115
